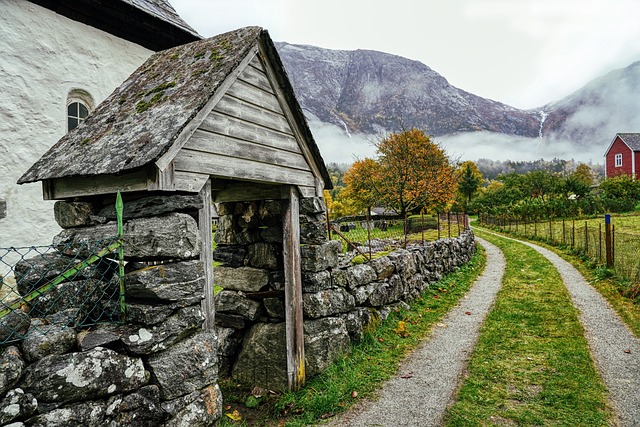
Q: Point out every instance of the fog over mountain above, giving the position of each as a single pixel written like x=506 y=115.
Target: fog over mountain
x=354 y=97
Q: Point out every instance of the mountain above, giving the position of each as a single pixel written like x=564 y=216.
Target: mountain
x=368 y=92
x=595 y=113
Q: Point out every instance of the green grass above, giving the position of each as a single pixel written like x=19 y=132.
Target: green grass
x=375 y=359
x=532 y=364
x=612 y=287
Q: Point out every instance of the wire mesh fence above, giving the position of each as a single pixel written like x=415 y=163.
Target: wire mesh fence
x=76 y=284
x=618 y=250
x=384 y=233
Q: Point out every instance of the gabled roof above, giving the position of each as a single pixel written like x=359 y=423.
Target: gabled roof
x=631 y=140
x=153 y=24
x=141 y=120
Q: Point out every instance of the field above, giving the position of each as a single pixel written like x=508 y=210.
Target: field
x=588 y=237
x=394 y=234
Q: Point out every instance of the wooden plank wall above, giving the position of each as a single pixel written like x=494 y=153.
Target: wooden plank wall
x=247 y=137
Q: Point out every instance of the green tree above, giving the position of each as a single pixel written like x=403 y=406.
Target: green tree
x=469 y=180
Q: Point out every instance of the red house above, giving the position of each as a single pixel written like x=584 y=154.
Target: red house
x=623 y=155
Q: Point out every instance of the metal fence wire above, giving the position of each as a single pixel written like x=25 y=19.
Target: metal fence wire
x=74 y=284
x=585 y=237
x=377 y=234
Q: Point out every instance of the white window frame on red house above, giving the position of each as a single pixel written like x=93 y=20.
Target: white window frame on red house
x=618 y=160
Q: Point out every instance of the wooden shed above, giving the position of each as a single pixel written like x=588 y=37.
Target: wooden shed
x=217 y=117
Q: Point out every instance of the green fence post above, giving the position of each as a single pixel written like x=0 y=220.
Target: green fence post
x=119 y=209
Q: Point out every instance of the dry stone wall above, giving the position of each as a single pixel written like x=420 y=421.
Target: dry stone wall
x=158 y=369
x=340 y=300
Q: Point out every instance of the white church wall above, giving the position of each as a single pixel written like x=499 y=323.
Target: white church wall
x=44 y=56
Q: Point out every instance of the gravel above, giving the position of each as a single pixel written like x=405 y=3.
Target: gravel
x=615 y=349
x=427 y=380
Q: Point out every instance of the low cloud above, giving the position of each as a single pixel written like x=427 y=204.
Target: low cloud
x=337 y=146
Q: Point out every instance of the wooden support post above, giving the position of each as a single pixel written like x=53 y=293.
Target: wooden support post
x=586 y=239
x=293 y=292
x=599 y=242
x=608 y=241
x=206 y=256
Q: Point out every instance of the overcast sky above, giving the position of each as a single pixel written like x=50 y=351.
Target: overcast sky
x=521 y=52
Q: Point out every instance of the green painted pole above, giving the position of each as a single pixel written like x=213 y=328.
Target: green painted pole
x=119 y=209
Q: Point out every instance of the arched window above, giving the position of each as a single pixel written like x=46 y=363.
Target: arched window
x=79 y=105
x=76 y=113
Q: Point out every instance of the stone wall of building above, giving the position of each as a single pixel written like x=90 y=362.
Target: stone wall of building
x=340 y=299
x=159 y=368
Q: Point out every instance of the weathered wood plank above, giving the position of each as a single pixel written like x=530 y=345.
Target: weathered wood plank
x=249 y=191
x=230 y=126
x=69 y=187
x=251 y=113
x=188 y=130
x=234 y=168
x=291 y=118
x=223 y=145
x=293 y=292
x=256 y=77
x=191 y=182
x=206 y=257
x=254 y=95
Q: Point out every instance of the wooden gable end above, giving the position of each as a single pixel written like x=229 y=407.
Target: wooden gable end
x=247 y=136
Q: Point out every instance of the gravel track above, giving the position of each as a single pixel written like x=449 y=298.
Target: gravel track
x=426 y=382
x=615 y=349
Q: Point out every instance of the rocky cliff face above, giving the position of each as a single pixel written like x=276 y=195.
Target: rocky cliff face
x=367 y=91
x=371 y=92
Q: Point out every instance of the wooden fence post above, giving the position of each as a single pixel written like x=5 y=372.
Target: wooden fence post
x=550 y=231
x=599 y=242
x=586 y=239
x=608 y=243
x=573 y=233
x=564 y=233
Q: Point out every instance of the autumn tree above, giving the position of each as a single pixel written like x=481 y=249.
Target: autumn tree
x=412 y=173
x=360 y=181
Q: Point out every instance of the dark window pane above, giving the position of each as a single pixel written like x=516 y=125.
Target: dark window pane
x=73 y=123
x=72 y=109
x=83 y=111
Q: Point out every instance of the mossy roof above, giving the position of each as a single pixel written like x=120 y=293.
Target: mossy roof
x=142 y=118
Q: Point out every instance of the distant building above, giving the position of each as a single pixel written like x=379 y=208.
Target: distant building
x=59 y=60
x=623 y=155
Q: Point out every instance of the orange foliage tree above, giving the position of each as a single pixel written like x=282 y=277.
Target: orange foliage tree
x=412 y=173
x=360 y=185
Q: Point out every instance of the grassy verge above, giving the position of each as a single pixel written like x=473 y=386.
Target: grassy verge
x=532 y=364
x=372 y=361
